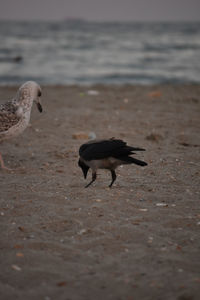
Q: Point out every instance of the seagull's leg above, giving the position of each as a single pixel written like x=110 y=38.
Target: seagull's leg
x=2 y=164
x=94 y=176
x=114 y=176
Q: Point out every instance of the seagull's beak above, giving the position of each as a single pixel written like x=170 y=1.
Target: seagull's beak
x=39 y=106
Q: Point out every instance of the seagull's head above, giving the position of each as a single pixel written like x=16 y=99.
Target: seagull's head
x=28 y=93
x=84 y=168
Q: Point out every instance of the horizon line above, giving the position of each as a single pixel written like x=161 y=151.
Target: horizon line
x=83 y=20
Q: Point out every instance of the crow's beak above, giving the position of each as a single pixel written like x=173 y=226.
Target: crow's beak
x=85 y=171
x=84 y=168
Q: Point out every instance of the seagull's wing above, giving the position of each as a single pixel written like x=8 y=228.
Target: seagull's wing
x=8 y=116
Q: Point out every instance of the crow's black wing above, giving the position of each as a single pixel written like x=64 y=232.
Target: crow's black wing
x=125 y=151
x=101 y=149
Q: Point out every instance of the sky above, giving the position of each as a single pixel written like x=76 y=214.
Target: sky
x=101 y=10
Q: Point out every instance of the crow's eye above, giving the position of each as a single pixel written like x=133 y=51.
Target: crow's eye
x=39 y=94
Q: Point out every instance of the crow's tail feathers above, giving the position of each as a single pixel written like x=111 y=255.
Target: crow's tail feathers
x=137 y=149
x=131 y=160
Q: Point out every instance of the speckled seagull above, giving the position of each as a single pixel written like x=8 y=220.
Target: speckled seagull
x=15 y=114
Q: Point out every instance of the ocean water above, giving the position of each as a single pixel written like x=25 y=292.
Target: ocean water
x=79 y=52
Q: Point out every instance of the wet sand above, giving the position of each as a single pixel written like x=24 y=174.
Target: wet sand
x=139 y=239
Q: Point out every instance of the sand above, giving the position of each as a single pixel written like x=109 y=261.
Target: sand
x=139 y=239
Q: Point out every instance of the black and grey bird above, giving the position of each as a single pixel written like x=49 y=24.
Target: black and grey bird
x=106 y=154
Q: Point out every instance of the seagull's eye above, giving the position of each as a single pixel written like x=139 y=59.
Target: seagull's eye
x=39 y=94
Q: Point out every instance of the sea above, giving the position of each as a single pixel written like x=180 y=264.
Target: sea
x=85 y=53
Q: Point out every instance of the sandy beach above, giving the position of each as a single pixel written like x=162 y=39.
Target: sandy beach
x=139 y=239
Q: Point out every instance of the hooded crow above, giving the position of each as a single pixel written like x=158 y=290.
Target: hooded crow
x=106 y=154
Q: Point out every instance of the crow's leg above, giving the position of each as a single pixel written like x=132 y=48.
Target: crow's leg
x=94 y=176
x=114 y=176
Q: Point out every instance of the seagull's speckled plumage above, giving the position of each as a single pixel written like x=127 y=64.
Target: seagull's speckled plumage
x=15 y=114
